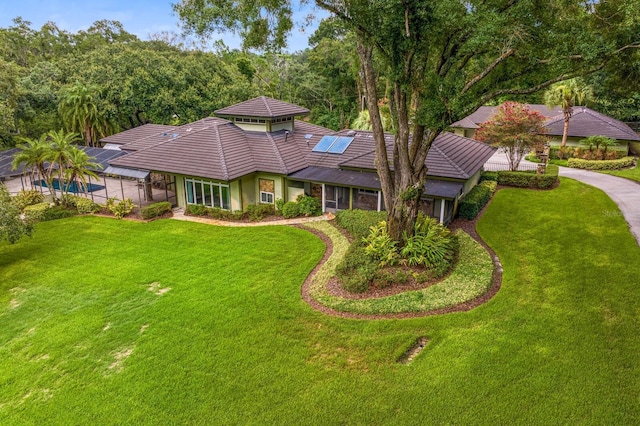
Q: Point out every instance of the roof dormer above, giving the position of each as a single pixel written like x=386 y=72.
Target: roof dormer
x=262 y=114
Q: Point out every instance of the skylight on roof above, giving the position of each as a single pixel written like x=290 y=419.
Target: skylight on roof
x=333 y=144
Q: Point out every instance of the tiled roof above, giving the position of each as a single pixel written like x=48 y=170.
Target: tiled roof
x=217 y=149
x=262 y=107
x=484 y=113
x=370 y=180
x=450 y=156
x=586 y=122
x=136 y=134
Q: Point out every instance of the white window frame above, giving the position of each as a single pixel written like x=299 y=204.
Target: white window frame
x=268 y=194
x=221 y=200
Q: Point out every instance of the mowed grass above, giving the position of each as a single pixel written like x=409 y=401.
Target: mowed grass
x=632 y=173
x=84 y=340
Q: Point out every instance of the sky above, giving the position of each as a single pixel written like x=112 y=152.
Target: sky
x=139 y=17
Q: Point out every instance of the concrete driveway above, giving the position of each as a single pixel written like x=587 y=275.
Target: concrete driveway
x=624 y=192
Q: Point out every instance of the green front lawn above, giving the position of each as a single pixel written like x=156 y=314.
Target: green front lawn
x=115 y=322
x=633 y=173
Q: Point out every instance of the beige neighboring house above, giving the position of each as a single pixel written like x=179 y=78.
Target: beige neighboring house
x=584 y=122
x=257 y=151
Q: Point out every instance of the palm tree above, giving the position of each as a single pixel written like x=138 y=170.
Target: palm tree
x=566 y=94
x=33 y=156
x=363 y=120
x=79 y=111
x=80 y=165
x=61 y=144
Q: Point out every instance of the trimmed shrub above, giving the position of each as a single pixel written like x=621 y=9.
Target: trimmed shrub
x=489 y=176
x=477 y=198
x=57 y=212
x=35 y=212
x=196 y=210
x=356 y=270
x=155 y=210
x=290 y=209
x=526 y=179
x=220 y=214
x=28 y=197
x=120 y=208
x=358 y=222
x=257 y=212
x=622 y=163
x=86 y=206
x=578 y=152
x=308 y=205
x=279 y=204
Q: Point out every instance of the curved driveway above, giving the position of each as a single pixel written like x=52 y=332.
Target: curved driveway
x=624 y=192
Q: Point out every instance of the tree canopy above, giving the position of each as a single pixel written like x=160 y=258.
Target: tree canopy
x=441 y=60
x=514 y=129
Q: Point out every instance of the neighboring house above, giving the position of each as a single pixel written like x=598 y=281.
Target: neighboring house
x=584 y=122
x=256 y=152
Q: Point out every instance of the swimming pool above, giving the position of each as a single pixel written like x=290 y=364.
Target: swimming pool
x=73 y=187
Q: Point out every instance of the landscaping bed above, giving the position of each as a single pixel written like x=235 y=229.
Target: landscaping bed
x=471 y=278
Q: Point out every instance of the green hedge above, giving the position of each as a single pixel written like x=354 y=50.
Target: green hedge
x=526 y=179
x=155 y=210
x=35 y=212
x=579 y=151
x=57 y=212
x=489 y=176
x=290 y=209
x=622 y=163
x=357 y=222
x=476 y=199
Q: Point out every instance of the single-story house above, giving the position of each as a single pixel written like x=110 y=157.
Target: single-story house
x=584 y=122
x=257 y=152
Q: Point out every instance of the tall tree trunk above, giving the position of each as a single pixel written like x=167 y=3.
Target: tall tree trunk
x=565 y=134
x=403 y=188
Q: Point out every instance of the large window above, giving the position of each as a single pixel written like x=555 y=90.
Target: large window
x=210 y=194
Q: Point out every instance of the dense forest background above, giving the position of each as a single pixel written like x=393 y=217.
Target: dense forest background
x=105 y=80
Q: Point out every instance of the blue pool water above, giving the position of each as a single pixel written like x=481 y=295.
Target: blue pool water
x=72 y=187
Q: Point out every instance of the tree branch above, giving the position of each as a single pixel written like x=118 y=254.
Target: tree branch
x=487 y=70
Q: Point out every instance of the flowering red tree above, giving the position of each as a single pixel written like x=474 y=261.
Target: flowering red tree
x=514 y=129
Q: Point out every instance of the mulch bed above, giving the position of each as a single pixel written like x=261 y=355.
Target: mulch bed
x=469 y=226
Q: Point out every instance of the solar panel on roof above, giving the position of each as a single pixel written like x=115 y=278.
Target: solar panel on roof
x=324 y=144
x=340 y=145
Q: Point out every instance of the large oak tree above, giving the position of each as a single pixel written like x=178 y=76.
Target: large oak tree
x=442 y=60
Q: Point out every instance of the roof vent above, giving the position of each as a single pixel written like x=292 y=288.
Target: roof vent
x=351 y=133
x=308 y=136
